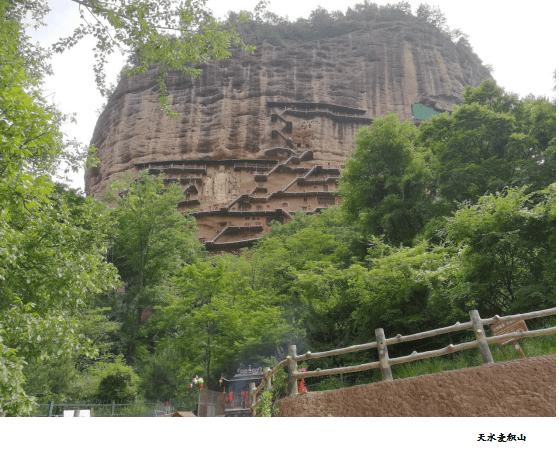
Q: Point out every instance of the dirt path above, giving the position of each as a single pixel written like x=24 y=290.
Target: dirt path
x=514 y=388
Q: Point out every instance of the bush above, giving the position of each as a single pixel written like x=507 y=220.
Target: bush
x=117 y=385
x=107 y=380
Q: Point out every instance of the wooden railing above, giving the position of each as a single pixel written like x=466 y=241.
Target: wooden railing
x=384 y=362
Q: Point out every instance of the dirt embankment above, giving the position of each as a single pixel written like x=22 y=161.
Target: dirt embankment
x=515 y=388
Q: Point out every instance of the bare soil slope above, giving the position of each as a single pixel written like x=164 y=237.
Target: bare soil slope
x=514 y=388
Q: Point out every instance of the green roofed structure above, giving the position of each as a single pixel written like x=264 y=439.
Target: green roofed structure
x=422 y=112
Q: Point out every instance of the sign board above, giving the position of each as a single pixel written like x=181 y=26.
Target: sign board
x=507 y=327
x=77 y=414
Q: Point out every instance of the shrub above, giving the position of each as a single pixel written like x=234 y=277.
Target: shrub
x=117 y=385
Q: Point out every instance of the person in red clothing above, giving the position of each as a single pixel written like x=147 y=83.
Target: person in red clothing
x=302 y=388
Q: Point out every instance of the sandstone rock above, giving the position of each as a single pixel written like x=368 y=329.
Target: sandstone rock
x=262 y=136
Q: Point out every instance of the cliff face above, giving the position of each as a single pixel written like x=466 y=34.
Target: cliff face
x=307 y=98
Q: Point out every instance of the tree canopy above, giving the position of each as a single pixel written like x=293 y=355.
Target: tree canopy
x=151 y=241
x=52 y=246
x=274 y=29
x=385 y=185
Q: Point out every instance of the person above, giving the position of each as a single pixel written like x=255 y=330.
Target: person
x=302 y=387
x=167 y=408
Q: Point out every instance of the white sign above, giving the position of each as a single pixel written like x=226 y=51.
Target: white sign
x=81 y=413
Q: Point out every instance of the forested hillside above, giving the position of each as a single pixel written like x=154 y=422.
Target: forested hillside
x=102 y=303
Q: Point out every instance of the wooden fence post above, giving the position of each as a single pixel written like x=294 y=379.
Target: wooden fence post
x=480 y=337
x=383 y=355
x=269 y=381
x=518 y=349
x=252 y=399
x=291 y=370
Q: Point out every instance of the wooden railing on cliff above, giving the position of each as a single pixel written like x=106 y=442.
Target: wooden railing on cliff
x=384 y=363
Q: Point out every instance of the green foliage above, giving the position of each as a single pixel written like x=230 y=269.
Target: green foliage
x=171 y=34
x=339 y=273
x=457 y=215
x=492 y=141
x=13 y=399
x=507 y=264
x=265 y=406
x=268 y=27
x=52 y=241
x=159 y=378
x=214 y=320
x=279 y=385
x=56 y=267
x=152 y=241
x=117 y=384
x=385 y=184
x=328 y=383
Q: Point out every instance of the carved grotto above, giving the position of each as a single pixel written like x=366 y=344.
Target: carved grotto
x=263 y=136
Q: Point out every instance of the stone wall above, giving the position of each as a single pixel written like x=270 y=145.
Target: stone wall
x=523 y=387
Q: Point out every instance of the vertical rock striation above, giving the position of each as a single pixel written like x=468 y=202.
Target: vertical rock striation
x=262 y=136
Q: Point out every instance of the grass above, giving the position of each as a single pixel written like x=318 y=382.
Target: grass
x=532 y=347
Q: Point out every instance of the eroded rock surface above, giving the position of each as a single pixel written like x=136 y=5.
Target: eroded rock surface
x=306 y=98
x=524 y=387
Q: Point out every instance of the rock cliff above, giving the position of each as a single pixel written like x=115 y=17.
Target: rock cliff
x=261 y=136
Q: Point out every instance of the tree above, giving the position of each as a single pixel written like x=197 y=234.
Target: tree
x=52 y=264
x=492 y=141
x=432 y=15
x=386 y=183
x=51 y=261
x=152 y=241
x=507 y=261
x=117 y=382
x=52 y=248
x=403 y=290
x=13 y=399
x=214 y=320
x=171 y=34
x=470 y=158
x=490 y=95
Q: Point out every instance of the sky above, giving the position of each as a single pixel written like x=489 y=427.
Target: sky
x=517 y=38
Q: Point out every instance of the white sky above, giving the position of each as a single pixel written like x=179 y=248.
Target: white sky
x=517 y=38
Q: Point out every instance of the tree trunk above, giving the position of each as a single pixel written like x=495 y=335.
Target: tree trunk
x=137 y=321
x=209 y=354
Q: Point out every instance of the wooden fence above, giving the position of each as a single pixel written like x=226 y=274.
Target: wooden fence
x=384 y=362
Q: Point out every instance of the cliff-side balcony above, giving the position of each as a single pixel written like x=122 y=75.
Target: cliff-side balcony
x=295 y=160
x=307 y=155
x=227 y=246
x=178 y=170
x=261 y=177
x=189 y=203
x=189 y=180
x=280 y=152
x=331 y=170
x=263 y=166
x=316 y=181
x=230 y=231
